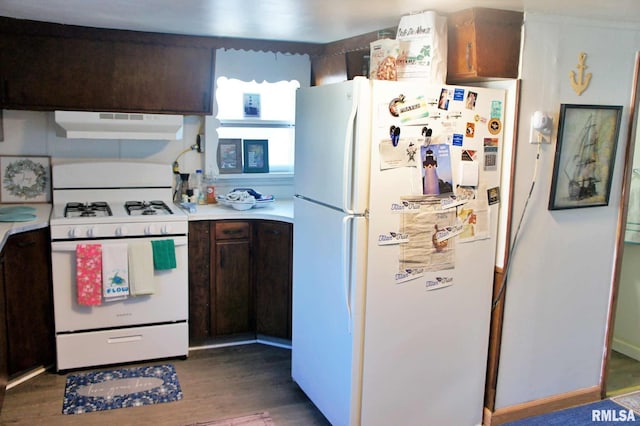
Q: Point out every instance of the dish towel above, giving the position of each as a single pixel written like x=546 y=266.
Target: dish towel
x=89 y=274
x=141 y=280
x=164 y=254
x=115 y=272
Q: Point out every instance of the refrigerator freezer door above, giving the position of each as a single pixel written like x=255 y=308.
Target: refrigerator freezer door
x=332 y=144
x=329 y=253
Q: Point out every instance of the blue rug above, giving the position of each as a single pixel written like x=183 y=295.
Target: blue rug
x=599 y=413
x=111 y=389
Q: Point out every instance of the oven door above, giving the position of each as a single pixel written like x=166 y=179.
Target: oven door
x=168 y=303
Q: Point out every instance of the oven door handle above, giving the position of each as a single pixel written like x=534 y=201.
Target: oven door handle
x=70 y=246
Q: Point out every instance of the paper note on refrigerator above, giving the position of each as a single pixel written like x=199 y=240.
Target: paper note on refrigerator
x=404 y=154
x=469 y=172
x=424 y=249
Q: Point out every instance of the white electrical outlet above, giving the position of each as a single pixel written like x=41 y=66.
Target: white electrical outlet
x=541 y=128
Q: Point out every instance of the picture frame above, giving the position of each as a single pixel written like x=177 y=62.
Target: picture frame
x=251 y=105
x=585 y=156
x=25 y=179
x=229 y=156
x=256 y=156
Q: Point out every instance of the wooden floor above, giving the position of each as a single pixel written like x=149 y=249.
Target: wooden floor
x=623 y=374
x=216 y=383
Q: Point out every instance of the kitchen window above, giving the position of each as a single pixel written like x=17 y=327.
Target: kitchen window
x=255 y=99
x=251 y=110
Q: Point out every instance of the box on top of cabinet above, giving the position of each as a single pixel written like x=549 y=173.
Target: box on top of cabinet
x=483 y=44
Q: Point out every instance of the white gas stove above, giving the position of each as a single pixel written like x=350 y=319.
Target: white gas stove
x=119 y=205
x=114 y=199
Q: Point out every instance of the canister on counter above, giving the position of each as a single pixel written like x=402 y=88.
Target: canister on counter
x=211 y=194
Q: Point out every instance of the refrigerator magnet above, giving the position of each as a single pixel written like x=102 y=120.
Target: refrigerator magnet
x=416 y=109
x=493 y=195
x=494 y=126
x=395 y=104
x=409 y=275
x=472 y=97
x=394 y=133
x=470 y=130
x=479 y=118
x=392 y=238
x=439 y=282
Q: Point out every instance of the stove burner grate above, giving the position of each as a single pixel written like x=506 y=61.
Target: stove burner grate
x=147 y=208
x=87 y=209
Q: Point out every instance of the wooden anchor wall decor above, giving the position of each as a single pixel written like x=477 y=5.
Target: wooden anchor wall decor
x=583 y=82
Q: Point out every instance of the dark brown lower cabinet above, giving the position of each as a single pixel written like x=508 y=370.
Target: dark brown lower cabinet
x=239 y=279
x=199 y=288
x=232 y=296
x=28 y=302
x=272 y=267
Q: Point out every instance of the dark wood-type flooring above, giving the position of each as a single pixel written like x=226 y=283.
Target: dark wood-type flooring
x=624 y=373
x=216 y=383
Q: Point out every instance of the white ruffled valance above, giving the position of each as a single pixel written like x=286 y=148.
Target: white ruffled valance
x=249 y=65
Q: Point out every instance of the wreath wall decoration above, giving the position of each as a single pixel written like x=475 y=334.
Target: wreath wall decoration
x=25 y=179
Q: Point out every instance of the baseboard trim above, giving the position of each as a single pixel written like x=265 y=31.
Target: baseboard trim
x=626 y=348
x=541 y=406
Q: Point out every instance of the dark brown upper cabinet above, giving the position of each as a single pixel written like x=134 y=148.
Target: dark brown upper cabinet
x=42 y=69
x=483 y=44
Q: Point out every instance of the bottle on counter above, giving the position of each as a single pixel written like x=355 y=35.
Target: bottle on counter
x=210 y=191
x=197 y=186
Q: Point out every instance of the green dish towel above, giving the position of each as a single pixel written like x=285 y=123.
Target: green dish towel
x=164 y=254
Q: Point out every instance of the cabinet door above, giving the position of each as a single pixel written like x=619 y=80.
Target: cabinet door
x=232 y=291
x=162 y=78
x=199 y=290
x=41 y=72
x=483 y=43
x=29 y=303
x=272 y=270
x=67 y=73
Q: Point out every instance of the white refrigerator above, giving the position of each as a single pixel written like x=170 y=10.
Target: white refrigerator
x=396 y=211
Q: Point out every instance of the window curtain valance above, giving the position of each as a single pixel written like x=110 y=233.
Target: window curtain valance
x=249 y=65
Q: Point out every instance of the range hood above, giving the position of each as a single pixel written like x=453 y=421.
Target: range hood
x=117 y=125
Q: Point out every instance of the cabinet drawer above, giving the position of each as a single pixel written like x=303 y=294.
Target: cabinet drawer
x=232 y=230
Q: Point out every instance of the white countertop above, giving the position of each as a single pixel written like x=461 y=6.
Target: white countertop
x=280 y=210
x=43 y=212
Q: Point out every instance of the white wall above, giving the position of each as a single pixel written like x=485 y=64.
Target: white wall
x=561 y=273
x=34 y=133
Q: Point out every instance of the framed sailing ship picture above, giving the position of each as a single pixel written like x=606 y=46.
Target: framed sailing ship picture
x=585 y=155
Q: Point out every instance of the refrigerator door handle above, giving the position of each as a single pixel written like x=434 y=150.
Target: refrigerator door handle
x=349 y=142
x=346 y=256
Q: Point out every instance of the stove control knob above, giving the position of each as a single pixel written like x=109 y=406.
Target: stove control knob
x=92 y=232
x=72 y=232
x=166 y=229
x=150 y=230
x=121 y=231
